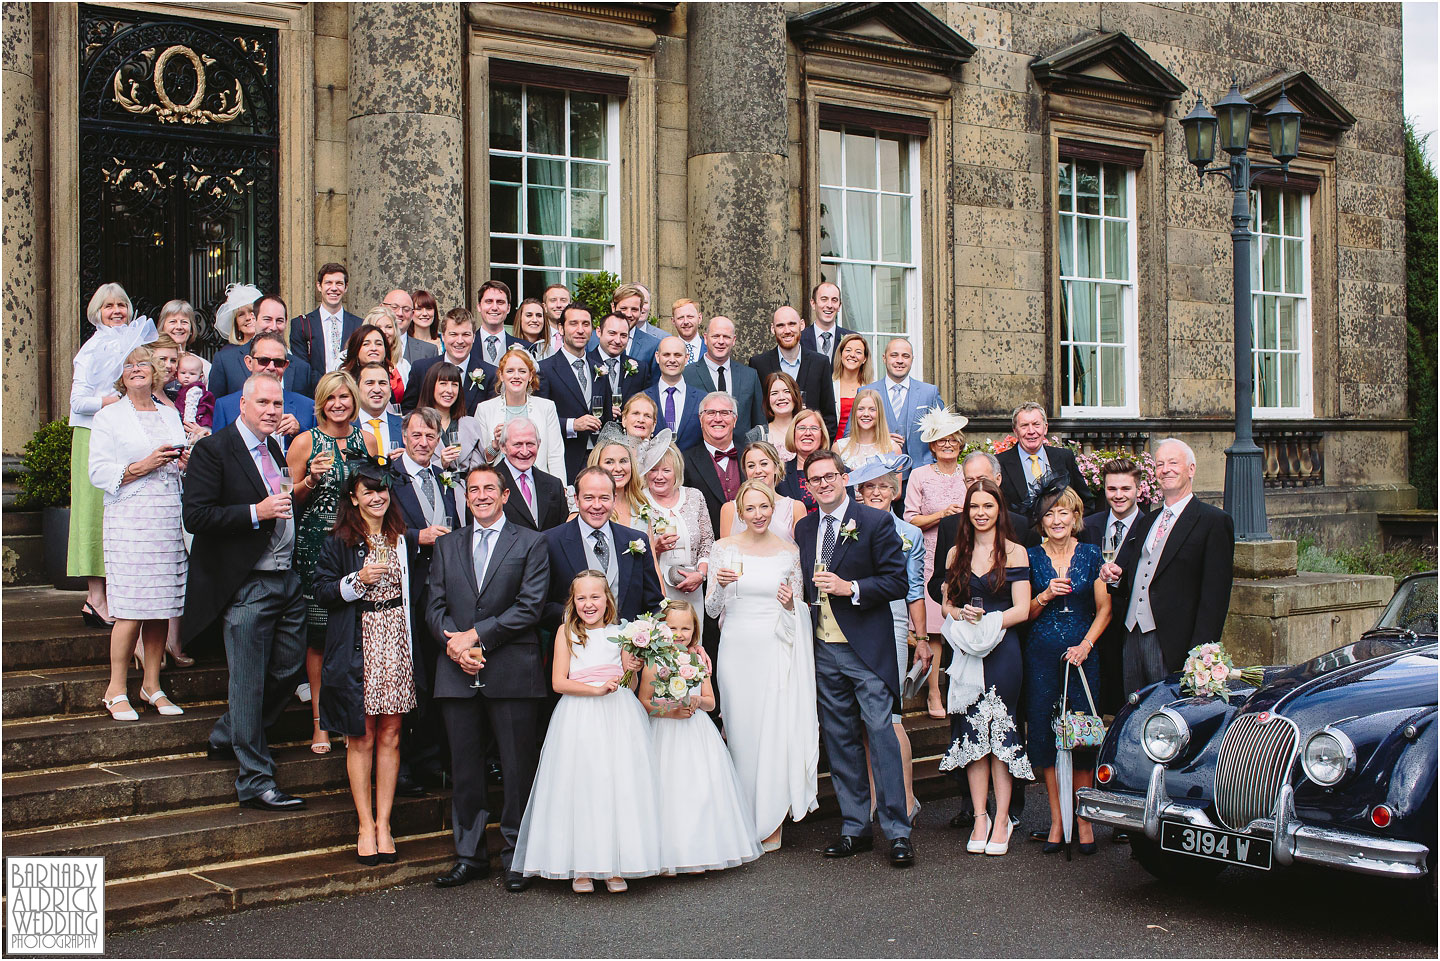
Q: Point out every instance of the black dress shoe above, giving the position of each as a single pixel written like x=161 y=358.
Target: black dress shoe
x=516 y=882
x=1040 y=836
x=1120 y=837
x=965 y=819
x=849 y=844
x=274 y=800
x=217 y=751
x=902 y=853
x=408 y=787
x=462 y=873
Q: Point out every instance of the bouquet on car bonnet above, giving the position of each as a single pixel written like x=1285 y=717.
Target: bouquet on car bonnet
x=1208 y=670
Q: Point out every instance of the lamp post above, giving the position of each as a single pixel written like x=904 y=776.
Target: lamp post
x=1244 y=461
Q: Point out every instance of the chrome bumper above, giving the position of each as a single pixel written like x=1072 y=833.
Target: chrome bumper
x=1293 y=841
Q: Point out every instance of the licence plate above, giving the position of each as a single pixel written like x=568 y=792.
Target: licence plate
x=1242 y=849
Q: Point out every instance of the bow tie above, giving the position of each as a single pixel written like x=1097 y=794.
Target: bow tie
x=720 y=455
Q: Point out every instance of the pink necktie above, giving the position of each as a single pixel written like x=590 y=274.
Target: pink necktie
x=267 y=468
x=525 y=491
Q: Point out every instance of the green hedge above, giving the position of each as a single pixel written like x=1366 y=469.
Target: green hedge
x=1421 y=309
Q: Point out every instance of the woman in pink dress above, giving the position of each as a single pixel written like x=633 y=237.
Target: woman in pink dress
x=936 y=491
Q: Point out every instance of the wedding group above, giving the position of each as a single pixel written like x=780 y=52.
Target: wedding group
x=438 y=533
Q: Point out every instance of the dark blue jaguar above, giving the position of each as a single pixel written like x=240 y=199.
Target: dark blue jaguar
x=1329 y=762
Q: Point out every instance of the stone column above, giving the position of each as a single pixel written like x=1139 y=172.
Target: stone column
x=406 y=225
x=739 y=212
x=20 y=387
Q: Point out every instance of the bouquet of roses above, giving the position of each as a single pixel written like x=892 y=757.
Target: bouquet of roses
x=1208 y=671
x=677 y=677
x=648 y=638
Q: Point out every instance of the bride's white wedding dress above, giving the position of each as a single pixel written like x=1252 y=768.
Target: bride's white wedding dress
x=766 y=674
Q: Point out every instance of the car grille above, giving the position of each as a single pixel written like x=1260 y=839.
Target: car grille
x=1255 y=759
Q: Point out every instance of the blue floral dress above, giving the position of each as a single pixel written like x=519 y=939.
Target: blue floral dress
x=989 y=726
x=1051 y=634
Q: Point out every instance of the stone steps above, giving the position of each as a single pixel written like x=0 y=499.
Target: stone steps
x=44 y=692
x=22 y=548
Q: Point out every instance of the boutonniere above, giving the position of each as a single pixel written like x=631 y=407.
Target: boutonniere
x=906 y=543
x=848 y=531
x=602 y=370
x=477 y=377
x=447 y=480
x=636 y=547
x=631 y=368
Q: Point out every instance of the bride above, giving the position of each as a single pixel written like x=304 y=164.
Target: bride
x=766 y=666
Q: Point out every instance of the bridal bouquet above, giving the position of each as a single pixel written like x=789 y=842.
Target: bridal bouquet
x=1208 y=670
x=677 y=677
x=648 y=638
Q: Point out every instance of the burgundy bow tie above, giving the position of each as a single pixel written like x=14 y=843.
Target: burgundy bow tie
x=720 y=455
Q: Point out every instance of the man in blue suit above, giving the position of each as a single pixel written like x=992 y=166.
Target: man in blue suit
x=857 y=683
x=824 y=333
x=457 y=334
x=228 y=371
x=267 y=356
x=906 y=401
x=717 y=370
x=493 y=307
x=374 y=415
x=593 y=542
x=320 y=335
x=630 y=301
x=567 y=377
x=626 y=374
x=677 y=402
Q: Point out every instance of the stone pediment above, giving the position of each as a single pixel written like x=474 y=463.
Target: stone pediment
x=904 y=34
x=1110 y=66
x=1324 y=115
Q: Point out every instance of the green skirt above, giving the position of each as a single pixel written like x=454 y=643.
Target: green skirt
x=86 y=557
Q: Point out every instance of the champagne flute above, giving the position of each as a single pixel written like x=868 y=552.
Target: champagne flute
x=597 y=406
x=1110 y=549
x=285 y=484
x=820 y=568
x=1065 y=604
x=477 y=652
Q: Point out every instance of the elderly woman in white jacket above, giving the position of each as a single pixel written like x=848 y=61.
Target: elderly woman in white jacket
x=516 y=382
x=137 y=451
x=92 y=388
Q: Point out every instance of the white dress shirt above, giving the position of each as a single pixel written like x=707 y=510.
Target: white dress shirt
x=475 y=530
x=715 y=375
x=664 y=390
x=434 y=510
x=384 y=442
x=336 y=346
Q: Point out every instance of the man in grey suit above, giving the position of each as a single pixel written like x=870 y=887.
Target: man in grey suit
x=411 y=349
x=717 y=370
x=486 y=591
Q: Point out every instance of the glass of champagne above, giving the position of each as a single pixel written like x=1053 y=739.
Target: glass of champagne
x=477 y=652
x=597 y=406
x=285 y=484
x=820 y=568
x=1110 y=547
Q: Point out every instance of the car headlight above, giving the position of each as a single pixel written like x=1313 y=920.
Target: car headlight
x=1328 y=756
x=1164 y=735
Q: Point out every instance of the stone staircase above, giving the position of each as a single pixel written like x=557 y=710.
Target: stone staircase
x=163 y=815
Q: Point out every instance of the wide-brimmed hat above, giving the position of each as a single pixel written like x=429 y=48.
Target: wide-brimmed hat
x=651 y=449
x=938 y=422
x=878 y=466
x=236 y=296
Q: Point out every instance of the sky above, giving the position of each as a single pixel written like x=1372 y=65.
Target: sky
x=1422 y=49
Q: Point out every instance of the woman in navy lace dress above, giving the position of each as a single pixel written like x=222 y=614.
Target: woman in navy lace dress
x=988 y=573
x=1069 y=608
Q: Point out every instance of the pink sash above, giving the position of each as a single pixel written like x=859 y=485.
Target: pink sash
x=598 y=674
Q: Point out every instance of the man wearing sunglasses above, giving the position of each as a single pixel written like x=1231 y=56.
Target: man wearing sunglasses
x=268 y=357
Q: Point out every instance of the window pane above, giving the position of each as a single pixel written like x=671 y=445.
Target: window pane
x=1087 y=187
x=1087 y=242
x=505 y=168
x=545 y=120
x=585 y=176
x=546 y=173
x=1285 y=322
x=504 y=117
x=504 y=250
x=1083 y=376
x=1117 y=250
x=1294 y=266
x=1290 y=217
x=541 y=253
x=1082 y=311
x=860 y=222
x=504 y=209
x=832 y=234
x=1110 y=307
x=1265 y=387
x=507 y=275
x=587 y=214
x=588 y=257
x=545 y=211
x=856 y=298
x=1267 y=339
x=1116 y=181
x=1067 y=200
x=1067 y=245
x=1270 y=264
x=1112 y=376
x=859 y=160
x=890 y=300
x=894 y=169
x=1289 y=380
x=587 y=126
x=895 y=228
x=1270 y=211
x=830 y=158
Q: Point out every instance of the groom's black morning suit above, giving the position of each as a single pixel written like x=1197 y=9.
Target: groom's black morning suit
x=504 y=609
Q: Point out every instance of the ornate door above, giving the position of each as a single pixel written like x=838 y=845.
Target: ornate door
x=179 y=151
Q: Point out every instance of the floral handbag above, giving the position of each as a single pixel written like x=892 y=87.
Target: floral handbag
x=1076 y=729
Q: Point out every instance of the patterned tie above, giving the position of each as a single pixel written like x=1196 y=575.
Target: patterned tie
x=602 y=550
x=1161 y=529
x=490 y=348
x=616 y=363
x=720 y=379
x=825 y=344
x=525 y=492
x=690 y=353
x=268 y=470
x=427 y=484
x=482 y=555
x=827 y=546
x=579 y=366
x=332 y=353
x=1035 y=466
x=670 y=408
x=897 y=398
x=1118 y=534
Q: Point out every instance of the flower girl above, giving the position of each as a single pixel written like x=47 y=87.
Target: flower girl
x=705 y=822
x=592 y=812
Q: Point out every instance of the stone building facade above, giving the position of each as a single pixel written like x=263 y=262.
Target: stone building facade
x=1004 y=182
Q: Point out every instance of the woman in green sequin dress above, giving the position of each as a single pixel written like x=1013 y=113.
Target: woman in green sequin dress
x=317 y=458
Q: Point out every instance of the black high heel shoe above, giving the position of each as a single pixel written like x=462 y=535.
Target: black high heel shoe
x=1052 y=847
x=92 y=617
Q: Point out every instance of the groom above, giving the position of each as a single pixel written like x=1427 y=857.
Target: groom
x=857 y=682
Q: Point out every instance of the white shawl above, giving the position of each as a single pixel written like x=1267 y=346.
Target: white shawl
x=967 y=668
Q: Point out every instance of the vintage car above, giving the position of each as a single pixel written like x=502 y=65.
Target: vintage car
x=1329 y=762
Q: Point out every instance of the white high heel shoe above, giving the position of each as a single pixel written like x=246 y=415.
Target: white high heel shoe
x=997 y=848
x=167 y=710
x=126 y=715
x=978 y=847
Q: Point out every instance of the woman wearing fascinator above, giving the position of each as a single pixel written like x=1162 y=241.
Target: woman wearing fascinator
x=618 y=454
x=1070 y=609
x=679 y=521
x=235 y=321
x=362 y=579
